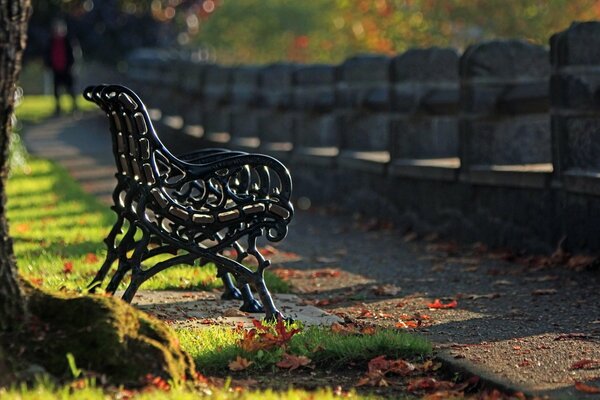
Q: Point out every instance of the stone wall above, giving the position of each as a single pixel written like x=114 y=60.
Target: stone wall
x=499 y=144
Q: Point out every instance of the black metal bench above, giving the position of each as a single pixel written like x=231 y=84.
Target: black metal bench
x=192 y=207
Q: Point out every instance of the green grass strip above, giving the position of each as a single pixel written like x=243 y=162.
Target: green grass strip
x=58 y=233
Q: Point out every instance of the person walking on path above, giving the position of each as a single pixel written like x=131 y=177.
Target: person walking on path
x=60 y=59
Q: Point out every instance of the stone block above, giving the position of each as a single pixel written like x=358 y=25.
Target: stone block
x=420 y=137
x=582 y=150
x=576 y=90
x=316 y=130
x=363 y=131
x=364 y=82
x=504 y=60
x=426 y=65
x=216 y=84
x=519 y=140
x=276 y=82
x=314 y=88
x=577 y=45
x=244 y=87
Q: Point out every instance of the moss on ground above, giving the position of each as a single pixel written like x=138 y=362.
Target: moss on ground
x=105 y=336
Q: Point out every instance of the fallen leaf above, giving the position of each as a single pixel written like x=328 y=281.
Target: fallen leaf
x=233 y=312
x=580 y=262
x=386 y=290
x=286 y=273
x=437 y=304
x=91 y=258
x=406 y=324
x=376 y=378
x=586 y=364
x=567 y=336
x=293 y=362
x=22 y=228
x=481 y=296
x=326 y=273
x=239 y=364
x=67 y=267
x=327 y=260
x=582 y=387
x=428 y=384
x=343 y=329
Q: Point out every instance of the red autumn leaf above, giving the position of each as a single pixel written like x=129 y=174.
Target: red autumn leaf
x=239 y=364
x=344 y=329
x=91 y=258
x=428 y=384
x=407 y=324
x=293 y=362
x=373 y=378
x=267 y=250
x=437 y=304
x=378 y=363
x=364 y=313
x=586 y=364
x=157 y=382
x=582 y=387
x=326 y=273
x=67 y=267
x=368 y=330
x=22 y=228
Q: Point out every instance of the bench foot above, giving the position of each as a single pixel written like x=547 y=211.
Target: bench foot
x=230 y=292
x=251 y=305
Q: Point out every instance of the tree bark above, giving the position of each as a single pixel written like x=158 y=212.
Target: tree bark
x=13 y=34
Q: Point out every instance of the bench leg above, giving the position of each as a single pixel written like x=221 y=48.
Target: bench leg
x=137 y=275
x=250 y=305
x=124 y=266
x=230 y=292
x=112 y=254
x=271 y=312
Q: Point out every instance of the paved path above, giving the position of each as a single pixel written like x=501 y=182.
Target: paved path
x=520 y=324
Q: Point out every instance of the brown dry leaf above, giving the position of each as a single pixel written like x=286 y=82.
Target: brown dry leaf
x=326 y=273
x=375 y=378
x=582 y=387
x=580 y=262
x=386 y=290
x=428 y=384
x=239 y=364
x=586 y=364
x=410 y=236
x=481 y=296
x=233 y=312
x=343 y=329
x=293 y=362
x=327 y=260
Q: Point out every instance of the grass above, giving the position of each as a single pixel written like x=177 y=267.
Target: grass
x=214 y=347
x=36 y=108
x=58 y=231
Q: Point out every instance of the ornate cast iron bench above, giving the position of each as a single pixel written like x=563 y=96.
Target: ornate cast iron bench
x=192 y=207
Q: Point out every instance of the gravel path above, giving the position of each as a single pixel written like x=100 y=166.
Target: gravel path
x=517 y=321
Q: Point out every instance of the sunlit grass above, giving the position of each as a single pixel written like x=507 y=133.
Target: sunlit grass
x=48 y=391
x=214 y=347
x=58 y=233
x=36 y=108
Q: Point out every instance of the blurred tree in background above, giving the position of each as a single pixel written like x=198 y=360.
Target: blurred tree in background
x=331 y=30
x=255 y=31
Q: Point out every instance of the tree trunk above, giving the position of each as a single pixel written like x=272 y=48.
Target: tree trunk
x=13 y=34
